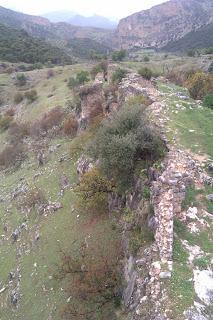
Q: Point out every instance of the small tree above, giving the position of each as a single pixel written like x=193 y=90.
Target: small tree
x=72 y=83
x=93 y=191
x=82 y=77
x=145 y=73
x=146 y=59
x=200 y=84
x=119 y=55
x=21 y=80
x=70 y=126
x=31 y=95
x=93 y=283
x=122 y=140
x=191 y=52
x=208 y=101
x=100 y=67
x=18 y=97
x=118 y=75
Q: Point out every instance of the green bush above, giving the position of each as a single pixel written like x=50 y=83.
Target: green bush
x=72 y=83
x=146 y=59
x=191 y=53
x=210 y=69
x=18 y=97
x=5 y=122
x=118 y=75
x=145 y=73
x=200 y=84
x=100 y=67
x=119 y=55
x=209 y=50
x=21 y=80
x=31 y=95
x=81 y=78
x=208 y=101
x=124 y=139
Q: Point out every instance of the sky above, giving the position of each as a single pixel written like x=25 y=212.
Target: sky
x=109 y=8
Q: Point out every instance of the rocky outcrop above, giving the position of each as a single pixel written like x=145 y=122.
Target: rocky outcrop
x=92 y=103
x=164 y=23
x=135 y=85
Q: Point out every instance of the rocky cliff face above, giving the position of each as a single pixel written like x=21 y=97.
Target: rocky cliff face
x=164 y=23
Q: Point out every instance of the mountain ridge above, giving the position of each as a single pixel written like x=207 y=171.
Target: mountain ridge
x=77 y=19
x=164 y=23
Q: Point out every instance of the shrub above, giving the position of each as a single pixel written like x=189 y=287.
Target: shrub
x=100 y=67
x=119 y=55
x=200 y=84
x=1 y=100
x=12 y=155
x=72 y=83
x=208 y=101
x=124 y=139
x=92 y=278
x=145 y=73
x=146 y=59
x=93 y=191
x=139 y=100
x=37 y=65
x=118 y=75
x=18 y=97
x=18 y=131
x=5 y=122
x=82 y=77
x=210 y=69
x=51 y=119
x=95 y=70
x=10 y=112
x=209 y=50
x=21 y=80
x=70 y=126
x=31 y=95
x=191 y=53
x=32 y=199
x=50 y=73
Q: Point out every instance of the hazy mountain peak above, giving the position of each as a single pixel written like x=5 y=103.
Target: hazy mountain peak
x=80 y=20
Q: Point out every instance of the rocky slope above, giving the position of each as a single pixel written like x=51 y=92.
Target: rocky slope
x=56 y=32
x=164 y=23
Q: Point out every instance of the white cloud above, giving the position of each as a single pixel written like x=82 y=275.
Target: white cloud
x=109 y=8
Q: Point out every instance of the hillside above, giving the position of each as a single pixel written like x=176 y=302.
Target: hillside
x=104 y=195
x=17 y=46
x=55 y=32
x=202 y=38
x=163 y=24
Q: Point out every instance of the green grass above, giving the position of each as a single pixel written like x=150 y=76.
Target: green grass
x=198 y=198
x=180 y=288
x=204 y=239
x=193 y=125
x=41 y=294
x=202 y=263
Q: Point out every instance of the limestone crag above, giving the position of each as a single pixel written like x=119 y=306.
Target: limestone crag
x=164 y=23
